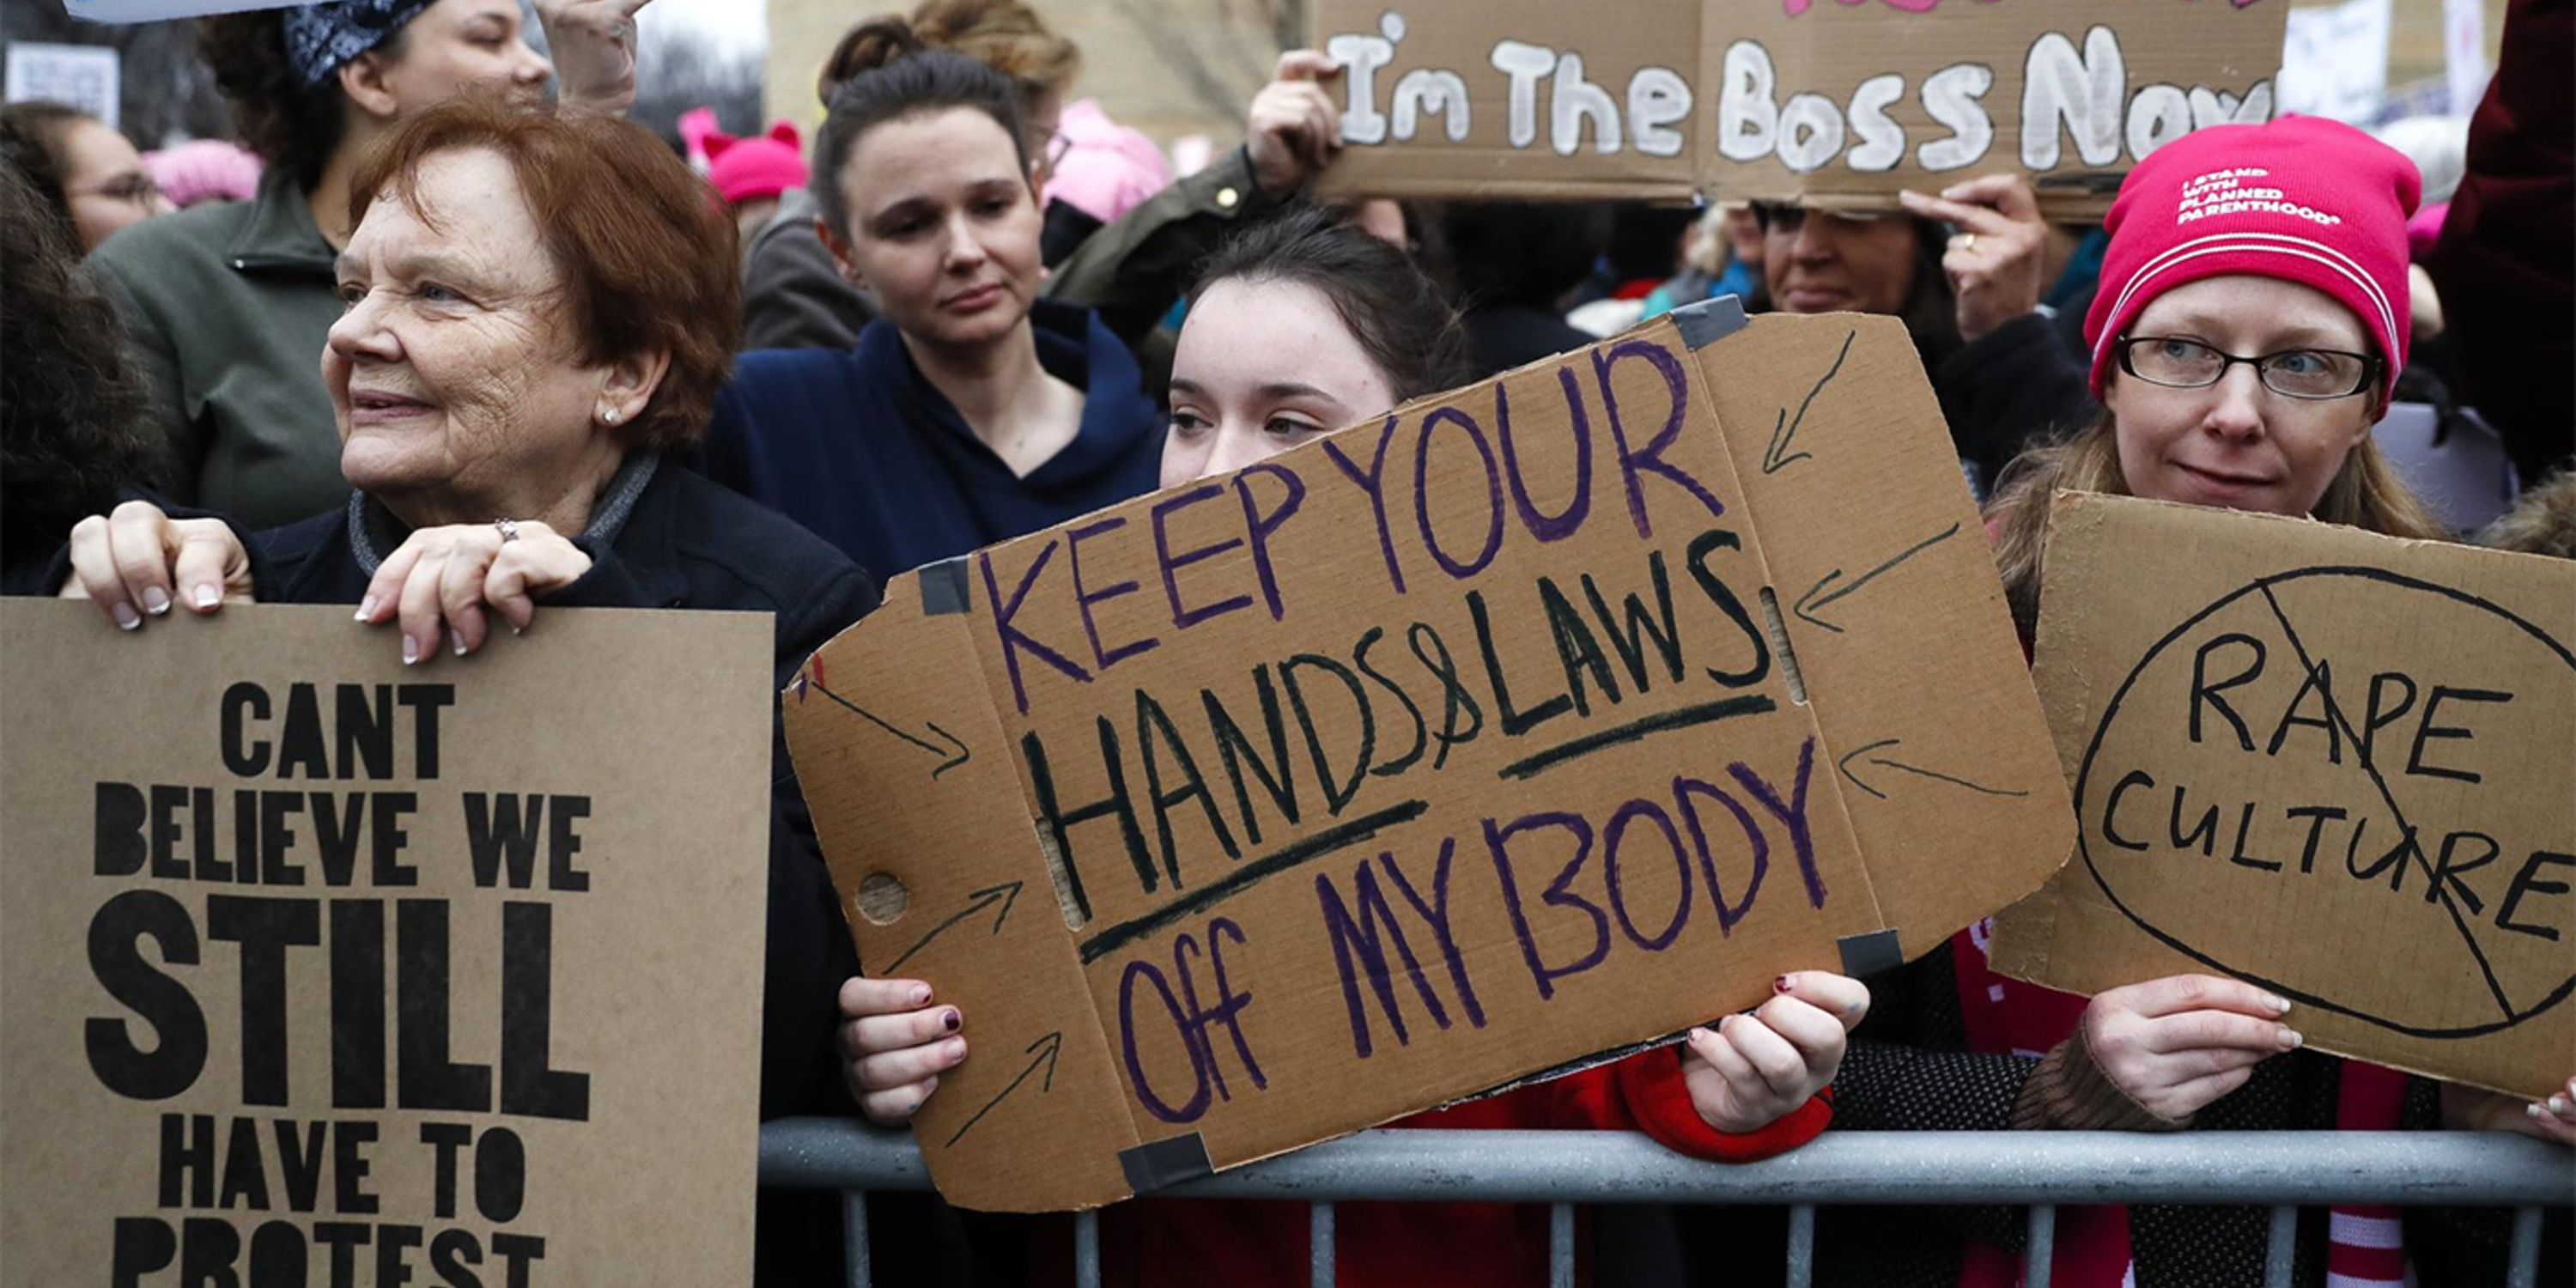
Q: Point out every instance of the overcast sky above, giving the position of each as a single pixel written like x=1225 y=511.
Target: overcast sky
x=735 y=26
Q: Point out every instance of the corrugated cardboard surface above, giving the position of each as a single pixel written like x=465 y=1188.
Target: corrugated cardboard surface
x=1549 y=703
x=2267 y=688
x=650 y=991
x=1832 y=103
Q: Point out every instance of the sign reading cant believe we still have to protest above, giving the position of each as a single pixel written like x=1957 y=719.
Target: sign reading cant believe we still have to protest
x=1536 y=721
x=1835 y=103
x=319 y=969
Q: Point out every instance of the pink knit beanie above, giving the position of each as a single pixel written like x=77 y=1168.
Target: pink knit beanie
x=2303 y=199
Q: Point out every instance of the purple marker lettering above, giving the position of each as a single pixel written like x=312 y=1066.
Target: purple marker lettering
x=1014 y=640
x=1651 y=460
x=1171 y=564
x=1431 y=424
x=1261 y=525
x=1188 y=1110
x=1610 y=874
x=1683 y=790
x=1564 y=523
x=1084 y=599
x=1437 y=913
x=1498 y=843
x=1359 y=947
x=1230 y=1004
x=1373 y=482
x=1794 y=814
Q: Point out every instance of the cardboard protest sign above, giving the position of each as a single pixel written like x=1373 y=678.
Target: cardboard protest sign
x=1835 y=103
x=2339 y=765
x=319 y=969
x=1537 y=720
x=131 y=11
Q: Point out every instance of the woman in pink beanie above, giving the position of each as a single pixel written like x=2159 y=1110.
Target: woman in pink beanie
x=2251 y=322
x=750 y=174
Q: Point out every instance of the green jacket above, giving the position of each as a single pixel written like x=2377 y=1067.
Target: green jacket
x=1132 y=271
x=228 y=308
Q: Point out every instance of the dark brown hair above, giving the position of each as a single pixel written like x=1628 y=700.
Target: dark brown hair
x=31 y=140
x=646 y=250
x=1391 y=307
x=75 y=423
x=908 y=81
x=275 y=115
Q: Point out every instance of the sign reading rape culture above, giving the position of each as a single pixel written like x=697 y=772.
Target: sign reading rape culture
x=1528 y=723
x=1836 y=103
x=2336 y=764
x=318 y=969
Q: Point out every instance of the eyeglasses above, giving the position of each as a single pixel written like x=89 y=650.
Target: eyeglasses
x=135 y=189
x=2178 y=363
x=1058 y=144
x=1786 y=218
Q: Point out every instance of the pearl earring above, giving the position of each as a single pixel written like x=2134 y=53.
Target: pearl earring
x=610 y=415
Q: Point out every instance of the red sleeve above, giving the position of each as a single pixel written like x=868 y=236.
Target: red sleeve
x=1645 y=1093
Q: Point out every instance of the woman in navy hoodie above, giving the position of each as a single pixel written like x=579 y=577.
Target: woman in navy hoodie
x=971 y=411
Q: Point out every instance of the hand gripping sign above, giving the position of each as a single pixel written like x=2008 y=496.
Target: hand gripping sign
x=2339 y=765
x=1535 y=721
x=1836 y=103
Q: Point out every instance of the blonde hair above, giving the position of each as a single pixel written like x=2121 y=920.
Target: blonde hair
x=2366 y=493
x=1005 y=35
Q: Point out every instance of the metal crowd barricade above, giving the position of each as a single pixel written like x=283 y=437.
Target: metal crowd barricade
x=2281 y=1170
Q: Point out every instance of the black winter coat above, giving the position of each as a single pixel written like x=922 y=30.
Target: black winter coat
x=687 y=543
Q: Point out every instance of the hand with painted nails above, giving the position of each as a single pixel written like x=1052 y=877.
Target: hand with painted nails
x=441 y=581
x=2466 y=1108
x=2176 y=1044
x=894 y=1046
x=136 y=562
x=1751 y=1070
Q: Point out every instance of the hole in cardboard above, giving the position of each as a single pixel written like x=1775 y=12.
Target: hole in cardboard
x=1779 y=634
x=882 y=899
x=1063 y=880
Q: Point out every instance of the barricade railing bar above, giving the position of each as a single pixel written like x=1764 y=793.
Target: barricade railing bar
x=2281 y=1170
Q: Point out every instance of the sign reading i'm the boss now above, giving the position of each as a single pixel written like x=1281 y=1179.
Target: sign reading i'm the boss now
x=1835 y=103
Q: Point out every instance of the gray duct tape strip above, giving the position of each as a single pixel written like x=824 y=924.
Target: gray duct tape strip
x=1166 y=1162
x=1871 y=953
x=943 y=588
x=1709 y=321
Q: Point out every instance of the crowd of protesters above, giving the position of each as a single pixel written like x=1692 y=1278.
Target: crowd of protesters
x=422 y=292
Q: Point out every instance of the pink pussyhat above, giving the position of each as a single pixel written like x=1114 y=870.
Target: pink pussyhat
x=206 y=170
x=762 y=166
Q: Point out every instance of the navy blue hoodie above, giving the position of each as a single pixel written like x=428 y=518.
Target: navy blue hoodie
x=860 y=448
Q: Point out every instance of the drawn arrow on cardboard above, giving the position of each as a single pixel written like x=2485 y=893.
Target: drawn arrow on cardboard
x=1845 y=765
x=1054 y=1043
x=1008 y=893
x=953 y=755
x=1784 y=430
x=1816 y=598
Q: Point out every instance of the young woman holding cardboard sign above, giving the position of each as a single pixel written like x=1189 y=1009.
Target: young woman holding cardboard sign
x=2299 y=277
x=1296 y=328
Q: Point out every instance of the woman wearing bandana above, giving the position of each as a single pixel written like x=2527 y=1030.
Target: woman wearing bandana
x=228 y=306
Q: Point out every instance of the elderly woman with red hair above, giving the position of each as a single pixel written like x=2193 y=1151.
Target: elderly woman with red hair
x=539 y=309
